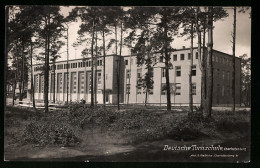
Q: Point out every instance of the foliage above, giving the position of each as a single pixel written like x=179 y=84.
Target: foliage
x=64 y=127
x=246 y=79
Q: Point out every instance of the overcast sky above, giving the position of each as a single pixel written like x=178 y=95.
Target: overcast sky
x=221 y=36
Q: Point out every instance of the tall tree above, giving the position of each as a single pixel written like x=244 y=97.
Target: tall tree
x=208 y=108
x=51 y=26
x=246 y=80
x=189 y=20
x=55 y=47
x=234 y=62
x=202 y=26
x=167 y=27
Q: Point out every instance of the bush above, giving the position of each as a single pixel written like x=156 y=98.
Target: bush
x=49 y=133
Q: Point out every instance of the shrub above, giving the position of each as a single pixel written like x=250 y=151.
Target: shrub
x=49 y=133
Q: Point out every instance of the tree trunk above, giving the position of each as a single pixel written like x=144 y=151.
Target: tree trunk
x=167 y=70
x=200 y=59
x=146 y=94
x=104 y=68
x=46 y=74
x=117 y=61
x=54 y=81
x=23 y=70
x=190 y=75
x=67 y=84
x=203 y=75
x=209 y=64
x=129 y=79
x=21 y=76
x=32 y=81
x=95 y=81
x=92 y=66
x=6 y=49
x=119 y=64
x=233 y=60
x=116 y=37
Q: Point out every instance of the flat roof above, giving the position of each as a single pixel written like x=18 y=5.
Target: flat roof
x=110 y=55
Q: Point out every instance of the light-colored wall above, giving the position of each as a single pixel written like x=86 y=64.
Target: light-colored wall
x=111 y=80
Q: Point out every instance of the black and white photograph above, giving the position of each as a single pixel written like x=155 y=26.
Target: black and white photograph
x=127 y=83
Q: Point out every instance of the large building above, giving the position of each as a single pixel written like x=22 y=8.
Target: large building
x=79 y=83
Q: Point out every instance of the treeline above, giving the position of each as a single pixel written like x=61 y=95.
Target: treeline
x=145 y=30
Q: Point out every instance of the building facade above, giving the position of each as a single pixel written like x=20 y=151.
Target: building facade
x=130 y=88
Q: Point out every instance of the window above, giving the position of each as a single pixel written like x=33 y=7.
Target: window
x=223 y=90
x=139 y=86
x=73 y=82
x=193 y=88
x=175 y=57
x=217 y=73
x=99 y=78
x=151 y=90
x=178 y=70
x=60 y=66
x=178 y=89
x=193 y=72
x=163 y=72
x=89 y=85
x=161 y=58
x=197 y=55
x=66 y=82
x=42 y=84
x=100 y=62
x=182 y=56
x=128 y=75
x=59 y=83
x=223 y=75
x=126 y=62
x=99 y=82
x=81 y=82
x=163 y=89
x=139 y=81
x=154 y=60
x=228 y=73
x=189 y=56
x=127 y=88
x=151 y=72
x=139 y=72
x=84 y=64
x=36 y=82
x=228 y=91
x=216 y=58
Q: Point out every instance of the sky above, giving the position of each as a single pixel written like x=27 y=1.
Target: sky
x=221 y=36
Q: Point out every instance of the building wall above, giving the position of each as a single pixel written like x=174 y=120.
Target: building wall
x=80 y=79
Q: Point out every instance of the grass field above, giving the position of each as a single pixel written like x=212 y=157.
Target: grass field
x=79 y=132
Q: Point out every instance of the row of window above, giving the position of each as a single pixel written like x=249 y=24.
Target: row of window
x=161 y=58
x=175 y=89
x=223 y=90
x=222 y=60
x=63 y=87
x=178 y=71
x=224 y=75
x=70 y=65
